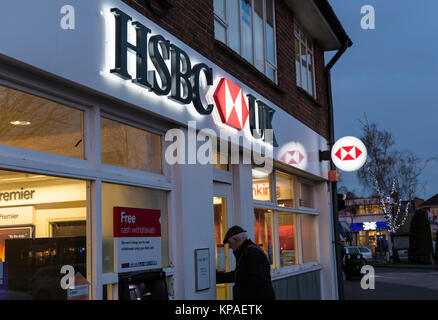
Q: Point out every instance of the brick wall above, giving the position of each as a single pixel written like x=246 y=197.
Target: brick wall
x=192 y=21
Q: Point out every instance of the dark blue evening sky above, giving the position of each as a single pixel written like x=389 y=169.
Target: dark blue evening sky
x=391 y=74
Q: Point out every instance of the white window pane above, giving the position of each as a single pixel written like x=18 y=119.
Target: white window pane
x=219 y=8
x=258 y=36
x=297 y=62
x=219 y=32
x=310 y=78
x=247 y=30
x=310 y=73
x=233 y=25
x=270 y=37
x=270 y=72
x=304 y=67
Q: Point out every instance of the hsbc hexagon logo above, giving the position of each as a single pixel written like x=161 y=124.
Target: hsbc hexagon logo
x=231 y=104
x=293 y=157
x=294 y=154
x=349 y=154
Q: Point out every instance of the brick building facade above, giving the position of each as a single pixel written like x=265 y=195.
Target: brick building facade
x=192 y=22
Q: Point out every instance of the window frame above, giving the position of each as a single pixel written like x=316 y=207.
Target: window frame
x=126 y=170
x=92 y=170
x=299 y=211
x=298 y=29
x=266 y=63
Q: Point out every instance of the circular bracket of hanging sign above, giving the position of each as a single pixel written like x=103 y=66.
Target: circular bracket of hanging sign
x=349 y=154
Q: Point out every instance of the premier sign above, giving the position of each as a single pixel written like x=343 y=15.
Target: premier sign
x=182 y=83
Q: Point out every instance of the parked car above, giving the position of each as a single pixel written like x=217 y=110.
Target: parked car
x=366 y=252
x=353 y=263
x=403 y=255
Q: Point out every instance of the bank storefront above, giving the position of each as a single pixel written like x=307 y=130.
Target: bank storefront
x=86 y=185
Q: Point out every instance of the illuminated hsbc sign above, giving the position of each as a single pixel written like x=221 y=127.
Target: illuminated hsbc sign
x=181 y=76
x=182 y=82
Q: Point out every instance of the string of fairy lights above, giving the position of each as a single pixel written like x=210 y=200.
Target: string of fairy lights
x=388 y=204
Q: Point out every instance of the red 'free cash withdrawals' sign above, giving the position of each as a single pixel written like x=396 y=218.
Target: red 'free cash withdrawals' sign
x=137 y=239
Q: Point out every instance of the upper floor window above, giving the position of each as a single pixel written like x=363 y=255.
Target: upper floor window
x=304 y=61
x=248 y=27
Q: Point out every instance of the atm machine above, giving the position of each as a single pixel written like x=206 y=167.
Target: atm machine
x=145 y=285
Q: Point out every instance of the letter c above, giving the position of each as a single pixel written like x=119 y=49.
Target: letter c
x=196 y=73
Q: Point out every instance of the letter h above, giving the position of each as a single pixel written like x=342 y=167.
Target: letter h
x=122 y=47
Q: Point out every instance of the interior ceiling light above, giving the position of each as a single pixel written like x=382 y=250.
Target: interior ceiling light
x=20 y=123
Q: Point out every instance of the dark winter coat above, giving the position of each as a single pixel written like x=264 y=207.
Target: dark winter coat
x=252 y=276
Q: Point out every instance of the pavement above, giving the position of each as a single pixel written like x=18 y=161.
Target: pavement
x=396 y=284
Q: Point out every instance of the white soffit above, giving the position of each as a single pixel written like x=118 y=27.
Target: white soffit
x=308 y=15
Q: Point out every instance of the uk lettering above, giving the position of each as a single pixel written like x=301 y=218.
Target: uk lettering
x=182 y=82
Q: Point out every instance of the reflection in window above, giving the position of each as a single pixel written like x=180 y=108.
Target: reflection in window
x=129 y=147
x=287 y=238
x=309 y=237
x=248 y=27
x=264 y=237
x=45 y=231
x=261 y=185
x=304 y=60
x=306 y=195
x=115 y=195
x=38 y=124
x=285 y=190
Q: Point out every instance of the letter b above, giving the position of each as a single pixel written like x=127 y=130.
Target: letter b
x=181 y=73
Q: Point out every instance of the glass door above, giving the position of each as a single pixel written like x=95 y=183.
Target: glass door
x=222 y=206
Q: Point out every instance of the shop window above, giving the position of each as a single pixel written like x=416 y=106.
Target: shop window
x=261 y=185
x=127 y=146
x=42 y=228
x=34 y=123
x=121 y=196
x=288 y=239
x=309 y=237
x=264 y=236
x=304 y=65
x=248 y=27
x=285 y=190
x=306 y=195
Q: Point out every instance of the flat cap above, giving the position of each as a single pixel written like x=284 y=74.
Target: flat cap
x=232 y=232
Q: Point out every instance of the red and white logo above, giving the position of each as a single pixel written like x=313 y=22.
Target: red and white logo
x=349 y=154
x=294 y=154
x=231 y=104
x=292 y=157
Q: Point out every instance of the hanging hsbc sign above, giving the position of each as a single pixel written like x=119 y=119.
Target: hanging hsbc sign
x=182 y=81
x=349 y=154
